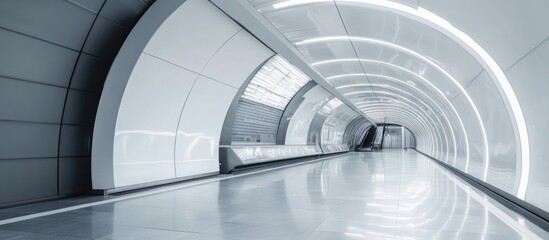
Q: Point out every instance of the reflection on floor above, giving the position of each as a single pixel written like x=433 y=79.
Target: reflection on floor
x=374 y=195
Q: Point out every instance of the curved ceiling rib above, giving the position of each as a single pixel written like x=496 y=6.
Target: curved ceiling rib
x=417 y=76
x=394 y=80
x=417 y=55
x=478 y=52
x=419 y=107
x=396 y=112
x=411 y=117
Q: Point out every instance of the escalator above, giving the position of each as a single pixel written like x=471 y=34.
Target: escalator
x=372 y=139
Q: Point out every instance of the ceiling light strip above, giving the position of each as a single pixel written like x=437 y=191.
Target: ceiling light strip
x=418 y=77
x=495 y=71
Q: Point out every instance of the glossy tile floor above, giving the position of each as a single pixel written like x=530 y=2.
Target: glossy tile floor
x=381 y=195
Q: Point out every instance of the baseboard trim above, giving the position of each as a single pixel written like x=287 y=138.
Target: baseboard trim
x=155 y=184
x=532 y=213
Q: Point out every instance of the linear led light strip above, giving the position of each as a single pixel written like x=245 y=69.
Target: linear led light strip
x=401 y=113
x=411 y=102
x=420 y=110
x=345 y=75
x=422 y=122
x=433 y=101
x=418 y=90
x=342 y=118
x=371 y=111
x=424 y=16
x=416 y=132
x=419 y=128
x=418 y=77
x=416 y=126
x=425 y=59
x=413 y=128
x=418 y=99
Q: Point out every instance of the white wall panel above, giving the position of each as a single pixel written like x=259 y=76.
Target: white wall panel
x=507 y=29
x=474 y=136
x=411 y=3
x=409 y=67
x=147 y=121
x=192 y=35
x=237 y=59
x=335 y=69
x=307 y=21
x=514 y=34
x=197 y=145
x=171 y=115
x=502 y=169
x=325 y=51
x=335 y=125
x=461 y=142
x=298 y=128
x=530 y=80
x=386 y=26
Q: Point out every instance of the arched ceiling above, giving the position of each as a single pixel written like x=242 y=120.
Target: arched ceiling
x=392 y=58
x=399 y=64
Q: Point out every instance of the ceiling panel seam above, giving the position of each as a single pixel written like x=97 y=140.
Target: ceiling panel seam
x=233 y=10
x=354 y=48
x=64 y=109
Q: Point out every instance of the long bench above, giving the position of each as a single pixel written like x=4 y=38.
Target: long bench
x=236 y=156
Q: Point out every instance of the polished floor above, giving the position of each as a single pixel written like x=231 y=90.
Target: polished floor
x=381 y=195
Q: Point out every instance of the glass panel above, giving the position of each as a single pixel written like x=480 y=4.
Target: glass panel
x=275 y=83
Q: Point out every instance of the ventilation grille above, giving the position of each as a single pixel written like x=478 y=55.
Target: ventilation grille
x=275 y=83
x=255 y=123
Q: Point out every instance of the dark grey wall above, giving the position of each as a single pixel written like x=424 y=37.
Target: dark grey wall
x=54 y=58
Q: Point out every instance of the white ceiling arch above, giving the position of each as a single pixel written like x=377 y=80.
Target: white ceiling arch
x=441 y=25
x=412 y=108
x=426 y=81
x=409 y=120
x=415 y=105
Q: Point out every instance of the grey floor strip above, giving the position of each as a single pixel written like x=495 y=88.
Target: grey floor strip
x=153 y=192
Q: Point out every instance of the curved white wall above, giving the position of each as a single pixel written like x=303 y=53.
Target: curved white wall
x=173 y=104
x=181 y=49
x=335 y=125
x=518 y=42
x=298 y=128
x=147 y=121
x=439 y=68
x=457 y=59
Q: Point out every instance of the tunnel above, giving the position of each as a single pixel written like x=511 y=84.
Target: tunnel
x=344 y=119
